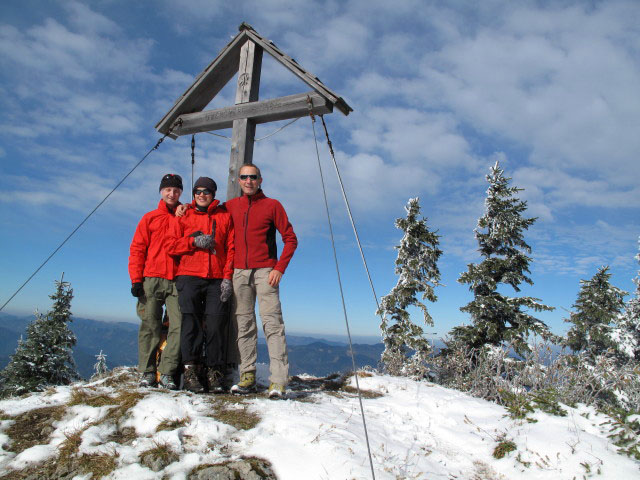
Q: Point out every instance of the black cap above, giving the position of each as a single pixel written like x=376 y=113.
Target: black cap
x=205 y=182
x=171 y=180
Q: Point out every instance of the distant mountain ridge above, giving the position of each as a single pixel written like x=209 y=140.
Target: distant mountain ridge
x=119 y=341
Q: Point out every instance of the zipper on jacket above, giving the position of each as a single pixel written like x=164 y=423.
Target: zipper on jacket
x=246 y=242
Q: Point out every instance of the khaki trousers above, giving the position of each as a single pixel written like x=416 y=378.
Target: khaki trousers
x=158 y=292
x=247 y=286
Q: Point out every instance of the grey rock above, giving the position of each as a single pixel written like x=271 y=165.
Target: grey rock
x=219 y=472
x=155 y=462
x=243 y=469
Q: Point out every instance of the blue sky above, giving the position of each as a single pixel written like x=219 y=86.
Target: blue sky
x=440 y=91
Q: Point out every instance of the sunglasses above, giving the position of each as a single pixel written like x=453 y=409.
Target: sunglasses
x=204 y=191
x=252 y=177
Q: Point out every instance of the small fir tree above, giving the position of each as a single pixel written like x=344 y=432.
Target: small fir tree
x=626 y=334
x=100 y=367
x=497 y=318
x=406 y=348
x=596 y=310
x=44 y=358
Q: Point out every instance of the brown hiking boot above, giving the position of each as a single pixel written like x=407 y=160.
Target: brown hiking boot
x=215 y=379
x=192 y=379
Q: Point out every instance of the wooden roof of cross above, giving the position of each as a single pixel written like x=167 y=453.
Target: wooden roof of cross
x=218 y=73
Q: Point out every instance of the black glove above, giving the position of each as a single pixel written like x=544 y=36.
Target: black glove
x=203 y=241
x=226 y=289
x=137 y=290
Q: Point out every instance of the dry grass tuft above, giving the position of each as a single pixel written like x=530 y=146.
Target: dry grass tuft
x=121 y=377
x=98 y=464
x=124 y=401
x=172 y=424
x=70 y=446
x=123 y=436
x=240 y=418
x=33 y=427
x=158 y=457
x=80 y=396
x=363 y=393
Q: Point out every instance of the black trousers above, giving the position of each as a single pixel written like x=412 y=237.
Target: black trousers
x=205 y=320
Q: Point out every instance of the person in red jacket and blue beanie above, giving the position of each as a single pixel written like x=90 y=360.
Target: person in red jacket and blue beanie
x=152 y=271
x=203 y=240
x=257 y=274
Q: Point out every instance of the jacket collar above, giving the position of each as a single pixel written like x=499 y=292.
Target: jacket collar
x=210 y=209
x=259 y=195
x=163 y=207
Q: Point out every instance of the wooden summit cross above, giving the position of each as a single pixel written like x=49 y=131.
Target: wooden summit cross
x=244 y=55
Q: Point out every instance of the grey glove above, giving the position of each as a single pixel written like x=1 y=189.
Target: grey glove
x=204 y=241
x=226 y=289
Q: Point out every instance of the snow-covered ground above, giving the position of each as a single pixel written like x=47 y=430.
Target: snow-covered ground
x=416 y=430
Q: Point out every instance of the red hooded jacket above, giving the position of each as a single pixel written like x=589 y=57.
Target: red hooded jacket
x=147 y=255
x=256 y=219
x=197 y=261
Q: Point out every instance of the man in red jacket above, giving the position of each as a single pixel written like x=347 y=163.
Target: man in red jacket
x=203 y=240
x=152 y=271
x=257 y=274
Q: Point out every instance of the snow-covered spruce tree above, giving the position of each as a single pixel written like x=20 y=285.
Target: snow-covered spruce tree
x=406 y=348
x=100 y=367
x=44 y=358
x=497 y=318
x=596 y=310
x=626 y=333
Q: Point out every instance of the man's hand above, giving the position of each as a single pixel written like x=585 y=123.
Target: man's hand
x=137 y=290
x=274 y=277
x=204 y=241
x=226 y=289
x=181 y=210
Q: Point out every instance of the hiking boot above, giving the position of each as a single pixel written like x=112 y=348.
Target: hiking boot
x=167 y=382
x=148 y=379
x=229 y=376
x=276 y=391
x=192 y=379
x=214 y=380
x=247 y=384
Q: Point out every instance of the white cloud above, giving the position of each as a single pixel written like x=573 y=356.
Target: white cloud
x=556 y=81
x=86 y=20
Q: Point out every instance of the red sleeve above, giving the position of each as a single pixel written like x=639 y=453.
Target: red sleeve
x=283 y=225
x=231 y=249
x=174 y=242
x=138 y=250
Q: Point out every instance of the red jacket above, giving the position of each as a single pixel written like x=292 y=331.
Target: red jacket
x=197 y=261
x=147 y=254
x=256 y=219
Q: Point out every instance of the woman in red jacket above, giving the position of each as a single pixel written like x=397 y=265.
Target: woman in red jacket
x=203 y=238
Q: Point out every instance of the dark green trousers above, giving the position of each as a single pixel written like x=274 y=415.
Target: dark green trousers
x=158 y=292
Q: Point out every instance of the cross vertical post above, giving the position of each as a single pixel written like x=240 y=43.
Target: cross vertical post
x=244 y=129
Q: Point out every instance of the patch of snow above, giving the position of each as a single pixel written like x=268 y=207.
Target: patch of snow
x=416 y=430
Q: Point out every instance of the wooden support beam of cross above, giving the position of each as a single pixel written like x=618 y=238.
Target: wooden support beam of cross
x=244 y=129
x=282 y=108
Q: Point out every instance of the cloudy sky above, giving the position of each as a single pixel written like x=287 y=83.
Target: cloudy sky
x=440 y=92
